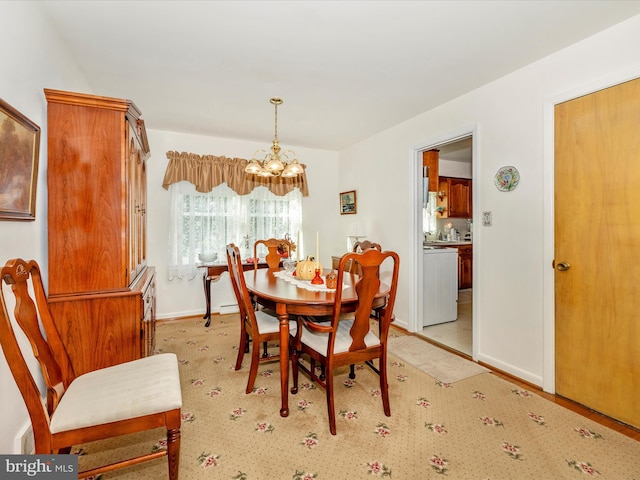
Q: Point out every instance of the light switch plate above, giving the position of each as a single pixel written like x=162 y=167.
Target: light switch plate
x=486 y=219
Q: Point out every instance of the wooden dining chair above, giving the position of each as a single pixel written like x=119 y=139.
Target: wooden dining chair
x=358 y=247
x=273 y=257
x=346 y=339
x=366 y=245
x=122 y=399
x=256 y=326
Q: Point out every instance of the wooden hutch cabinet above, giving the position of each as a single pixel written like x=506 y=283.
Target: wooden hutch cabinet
x=101 y=291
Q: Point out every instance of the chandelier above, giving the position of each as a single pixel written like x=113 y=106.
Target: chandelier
x=275 y=163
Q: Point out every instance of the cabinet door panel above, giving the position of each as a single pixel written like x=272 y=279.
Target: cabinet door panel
x=465 y=267
x=454 y=197
x=85 y=200
x=459 y=197
x=98 y=332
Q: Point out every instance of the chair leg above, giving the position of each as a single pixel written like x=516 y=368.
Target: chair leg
x=243 y=347
x=265 y=352
x=384 y=384
x=294 y=370
x=352 y=371
x=173 y=452
x=312 y=369
x=253 y=369
x=330 y=404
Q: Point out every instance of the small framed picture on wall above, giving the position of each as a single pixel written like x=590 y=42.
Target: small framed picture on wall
x=348 y=202
x=19 y=151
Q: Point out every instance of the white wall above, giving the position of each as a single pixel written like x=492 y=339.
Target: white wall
x=449 y=168
x=33 y=58
x=177 y=298
x=512 y=262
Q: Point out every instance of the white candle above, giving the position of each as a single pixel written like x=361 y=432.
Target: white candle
x=299 y=247
x=317 y=249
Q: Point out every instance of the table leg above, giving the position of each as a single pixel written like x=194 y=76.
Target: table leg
x=206 y=278
x=281 y=311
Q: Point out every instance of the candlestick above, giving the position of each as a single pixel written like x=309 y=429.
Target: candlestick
x=317 y=280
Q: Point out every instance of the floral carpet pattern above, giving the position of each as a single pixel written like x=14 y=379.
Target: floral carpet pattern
x=479 y=428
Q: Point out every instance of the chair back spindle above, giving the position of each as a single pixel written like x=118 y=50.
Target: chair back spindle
x=22 y=276
x=366 y=288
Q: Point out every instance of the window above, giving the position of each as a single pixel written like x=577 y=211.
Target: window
x=207 y=222
x=429 y=224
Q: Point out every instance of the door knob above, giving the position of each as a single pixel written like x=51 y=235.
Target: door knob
x=563 y=266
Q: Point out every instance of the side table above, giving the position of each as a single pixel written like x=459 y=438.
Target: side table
x=212 y=272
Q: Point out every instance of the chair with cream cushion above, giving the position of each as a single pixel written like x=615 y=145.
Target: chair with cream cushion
x=127 y=398
x=261 y=326
x=348 y=339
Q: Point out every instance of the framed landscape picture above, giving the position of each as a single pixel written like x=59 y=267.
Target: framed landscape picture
x=19 y=151
x=348 y=202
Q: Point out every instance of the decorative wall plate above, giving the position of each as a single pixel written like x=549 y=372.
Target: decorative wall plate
x=507 y=178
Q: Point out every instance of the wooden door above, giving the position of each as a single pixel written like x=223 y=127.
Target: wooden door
x=597 y=236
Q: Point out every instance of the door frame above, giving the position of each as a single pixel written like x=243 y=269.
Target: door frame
x=415 y=297
x=548 y=280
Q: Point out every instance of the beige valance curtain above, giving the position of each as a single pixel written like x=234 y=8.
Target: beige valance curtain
x=209 y=171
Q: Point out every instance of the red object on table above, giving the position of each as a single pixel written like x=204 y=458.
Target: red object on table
x=317 y=280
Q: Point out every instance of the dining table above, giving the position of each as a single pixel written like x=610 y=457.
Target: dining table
x=289 y=297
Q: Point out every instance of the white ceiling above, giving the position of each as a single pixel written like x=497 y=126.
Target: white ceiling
x=345 y=69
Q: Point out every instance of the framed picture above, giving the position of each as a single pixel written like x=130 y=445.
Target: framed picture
x=348 y=202
x=19 y=150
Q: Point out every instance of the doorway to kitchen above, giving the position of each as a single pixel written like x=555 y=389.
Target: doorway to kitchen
x=446 y=225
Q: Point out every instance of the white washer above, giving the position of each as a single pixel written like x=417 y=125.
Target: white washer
x=440 y=294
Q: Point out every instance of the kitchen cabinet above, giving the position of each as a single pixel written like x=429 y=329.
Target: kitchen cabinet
x=101 y=290
x=465 y=266
x=454 y=198
x=430 y=159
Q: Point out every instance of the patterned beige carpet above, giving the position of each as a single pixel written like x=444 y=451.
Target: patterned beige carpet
x=481 y=427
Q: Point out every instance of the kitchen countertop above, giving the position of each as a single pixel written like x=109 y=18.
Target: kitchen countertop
x=442 y=243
